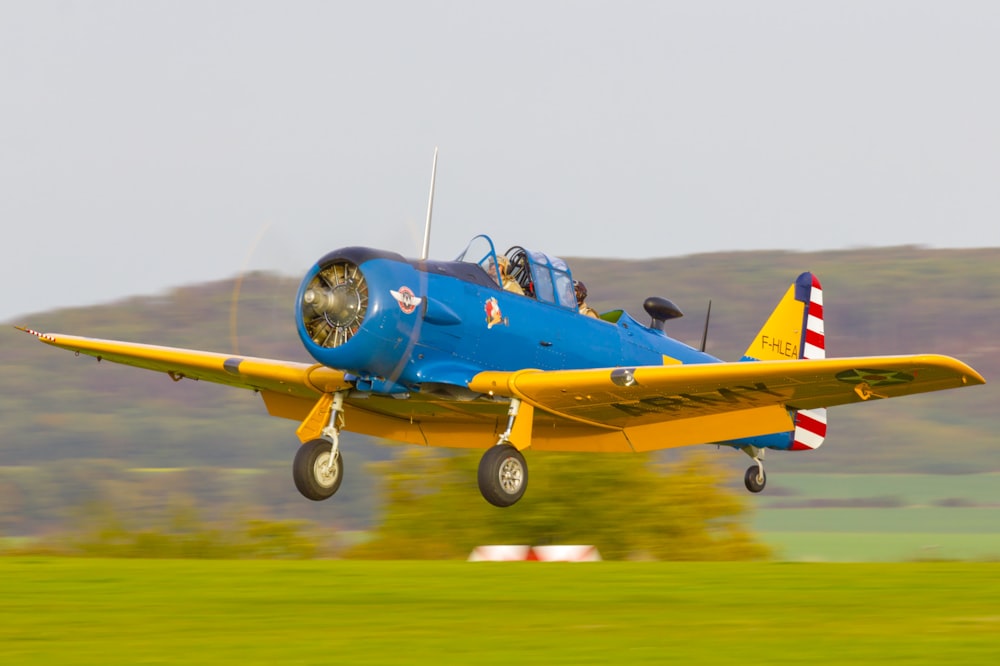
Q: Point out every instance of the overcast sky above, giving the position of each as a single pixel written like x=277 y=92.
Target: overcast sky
x=145 y=145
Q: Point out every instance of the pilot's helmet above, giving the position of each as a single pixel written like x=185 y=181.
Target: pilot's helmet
x=581 y=291
x=504 y=262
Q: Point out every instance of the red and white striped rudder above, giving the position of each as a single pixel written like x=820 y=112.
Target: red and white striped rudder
x=810 y=424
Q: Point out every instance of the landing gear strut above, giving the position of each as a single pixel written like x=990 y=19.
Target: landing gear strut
x=755 y=479
x=318 y=468
x=503 y=472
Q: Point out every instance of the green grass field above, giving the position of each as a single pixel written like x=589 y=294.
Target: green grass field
x=84 y=611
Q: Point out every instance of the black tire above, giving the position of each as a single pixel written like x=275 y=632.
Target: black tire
x=751 y=481
x=503 y=475
x=309 y=470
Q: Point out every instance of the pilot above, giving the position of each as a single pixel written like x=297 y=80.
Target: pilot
x=491 y=268
x=581 y=300
x=509 y=283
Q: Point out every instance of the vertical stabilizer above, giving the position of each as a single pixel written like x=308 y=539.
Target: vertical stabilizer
x=795 y=328
x=795 y=331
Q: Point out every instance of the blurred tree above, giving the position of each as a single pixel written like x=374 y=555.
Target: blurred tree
x=626 y=505
x=108 y=527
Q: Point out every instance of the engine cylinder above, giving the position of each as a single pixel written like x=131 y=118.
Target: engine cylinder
x=334 y=304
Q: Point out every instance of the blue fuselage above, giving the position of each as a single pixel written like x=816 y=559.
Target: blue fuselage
x=428 y=325
x=465 y=323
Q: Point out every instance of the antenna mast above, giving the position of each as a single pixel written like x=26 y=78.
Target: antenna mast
x=430 y=209
x=704 y=334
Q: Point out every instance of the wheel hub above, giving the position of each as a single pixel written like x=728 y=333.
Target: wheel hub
x=511 y=475
x=325 y=473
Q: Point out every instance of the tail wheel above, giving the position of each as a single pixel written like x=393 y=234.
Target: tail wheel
x=315 y=477
x=755 y=478
x=503 y=475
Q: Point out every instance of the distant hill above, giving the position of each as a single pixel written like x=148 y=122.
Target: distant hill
x=54 y=407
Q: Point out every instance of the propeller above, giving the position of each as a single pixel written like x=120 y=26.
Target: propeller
x=234 y=300
x=335 y=302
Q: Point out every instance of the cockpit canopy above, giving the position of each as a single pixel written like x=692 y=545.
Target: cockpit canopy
x=545 y=278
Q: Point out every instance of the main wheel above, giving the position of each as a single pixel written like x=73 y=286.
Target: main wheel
x=755 y=479
x=315 y=478
x=503 y=475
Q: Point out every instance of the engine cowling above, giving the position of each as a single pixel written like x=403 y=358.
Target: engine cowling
x=357 y=311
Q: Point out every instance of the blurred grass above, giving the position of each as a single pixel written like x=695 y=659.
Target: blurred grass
x=943 y=520
x=90 y=611
x=911 y=489
x=881 y=546
x=880 y=517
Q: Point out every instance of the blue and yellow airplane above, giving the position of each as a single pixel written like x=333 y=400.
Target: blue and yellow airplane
x=438 y=353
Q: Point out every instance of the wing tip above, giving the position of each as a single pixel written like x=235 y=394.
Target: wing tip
x=973 y=378
x=968 y=375
x=41 y=336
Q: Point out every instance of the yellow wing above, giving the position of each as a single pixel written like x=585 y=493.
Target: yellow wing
x=302 y=380
x=656 y=407
x=613 y=409
x=291 y=390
